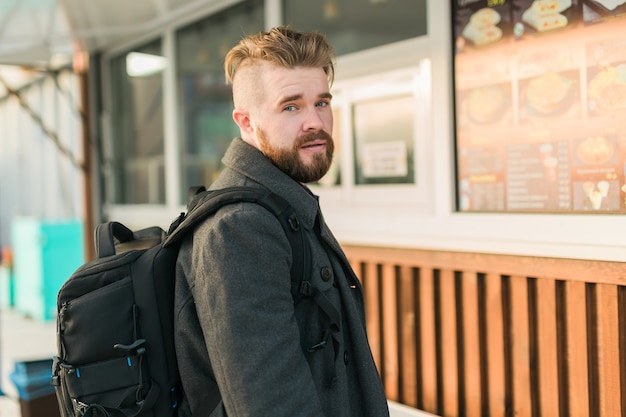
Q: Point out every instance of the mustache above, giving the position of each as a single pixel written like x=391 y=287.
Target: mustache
x=311 y=136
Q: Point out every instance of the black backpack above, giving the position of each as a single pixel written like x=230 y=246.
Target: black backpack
x=115 y=333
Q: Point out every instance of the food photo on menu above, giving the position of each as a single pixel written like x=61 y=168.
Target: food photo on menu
x=482 y=27
x=606 y=90
x=598 y=10
x=541 y=16
x=485 y=105
x=596 y=168
x=609 y=5
x=550 y=95
x=480 y=24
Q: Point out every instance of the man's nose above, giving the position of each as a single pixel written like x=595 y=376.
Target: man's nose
x=313 y=120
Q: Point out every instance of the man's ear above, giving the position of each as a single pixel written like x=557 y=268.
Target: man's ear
x=246 y=127
x=242 y=118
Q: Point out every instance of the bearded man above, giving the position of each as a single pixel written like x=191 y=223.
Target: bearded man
x=243 y=345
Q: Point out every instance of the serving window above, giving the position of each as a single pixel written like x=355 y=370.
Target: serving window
x=383 y=140
x=380 y=133
x=540 y=105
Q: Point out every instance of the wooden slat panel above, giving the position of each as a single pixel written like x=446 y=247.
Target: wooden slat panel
x=589 y=373
x=576 y=328
x=495 y=345
x=547 y=348
x=390 y=333
x=530 y=266
x=449 y=352
x=520 y=351
x=408 y=337
x=427 y=323
x=471 y=346
x=608 y=351
x=372 y=311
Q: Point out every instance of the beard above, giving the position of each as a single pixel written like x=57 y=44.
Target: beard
x=288 y=159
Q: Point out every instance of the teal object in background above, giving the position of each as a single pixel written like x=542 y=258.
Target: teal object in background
x=45 y=254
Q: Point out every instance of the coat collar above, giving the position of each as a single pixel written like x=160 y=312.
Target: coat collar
x=251 y=163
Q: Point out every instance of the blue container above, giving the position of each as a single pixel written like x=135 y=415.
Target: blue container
x=45 y=254
x=32 y=379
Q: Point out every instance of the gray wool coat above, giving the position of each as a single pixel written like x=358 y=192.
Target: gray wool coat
x=236 y=325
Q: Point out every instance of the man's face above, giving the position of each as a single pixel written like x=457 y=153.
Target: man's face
x=292 y=125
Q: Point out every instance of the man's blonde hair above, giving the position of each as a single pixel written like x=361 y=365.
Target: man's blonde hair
x=284 y=47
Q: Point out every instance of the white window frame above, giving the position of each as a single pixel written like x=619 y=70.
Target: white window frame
x=414 y=81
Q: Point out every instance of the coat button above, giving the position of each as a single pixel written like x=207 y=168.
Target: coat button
x=326 y=273
x=346 y=357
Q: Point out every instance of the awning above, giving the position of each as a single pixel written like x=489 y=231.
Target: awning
x=45 y=33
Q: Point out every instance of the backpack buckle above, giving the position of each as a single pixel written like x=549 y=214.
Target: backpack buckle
x=136 y=346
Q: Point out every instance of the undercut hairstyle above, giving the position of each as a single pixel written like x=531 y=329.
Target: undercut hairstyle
x=283 y=47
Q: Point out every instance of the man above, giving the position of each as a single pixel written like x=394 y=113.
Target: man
x=237 y=326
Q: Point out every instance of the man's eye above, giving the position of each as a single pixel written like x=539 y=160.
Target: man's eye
x=290 y=108
x=323 y=104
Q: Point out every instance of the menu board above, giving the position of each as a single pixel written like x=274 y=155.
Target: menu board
x=540 y=105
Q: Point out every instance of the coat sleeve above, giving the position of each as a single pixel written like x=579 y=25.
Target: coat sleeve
x=244 y=303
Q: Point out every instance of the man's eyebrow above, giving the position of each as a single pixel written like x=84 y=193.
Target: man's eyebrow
x=296 y=97
x=291 y=98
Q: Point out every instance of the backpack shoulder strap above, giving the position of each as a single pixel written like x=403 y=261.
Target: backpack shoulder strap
x=206 y=203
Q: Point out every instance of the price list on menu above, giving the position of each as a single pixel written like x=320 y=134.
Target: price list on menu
x=540 y=116
x=538 y=177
